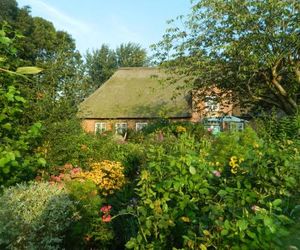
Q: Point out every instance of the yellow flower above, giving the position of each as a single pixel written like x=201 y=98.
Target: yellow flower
x=233 y=159
x=180 y=129
x=233 y=170
x=107 y=175
x=233 y=164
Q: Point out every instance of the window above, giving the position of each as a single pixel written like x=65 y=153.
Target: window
x=121 y=128
x=211 y=103
x=236 y=126
x=100 y=127
x=140 y=125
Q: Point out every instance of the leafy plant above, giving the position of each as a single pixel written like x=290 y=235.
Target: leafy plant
x=89 y=230
x=35 y=216
x=18 y=160
x=233 y=192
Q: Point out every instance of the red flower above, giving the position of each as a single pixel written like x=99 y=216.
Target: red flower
x=106 y=218
x=105 y=209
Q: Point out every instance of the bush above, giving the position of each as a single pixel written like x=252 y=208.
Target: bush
x=34 y=216
x=231 y=192
x=89 y=231
x=107 y=175
x=65 y=141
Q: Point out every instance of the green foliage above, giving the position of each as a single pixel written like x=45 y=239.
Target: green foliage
x=272 y=127
x=234 y=191
x=100 y=65
x=34 y=216
x=131 y=55
x=65 y=141
x=89 y=231
x=18 y=161
x=248 y=47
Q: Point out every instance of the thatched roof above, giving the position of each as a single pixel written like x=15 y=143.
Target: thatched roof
x=136 y=93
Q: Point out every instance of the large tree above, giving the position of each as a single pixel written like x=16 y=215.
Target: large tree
x=249 y=49
x=131 y=55
x=100 y=65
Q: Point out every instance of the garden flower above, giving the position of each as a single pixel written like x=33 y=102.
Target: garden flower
x=75 y=170
x=106 y=218
x=180 y=129
x=233 y=164
x=217 y=173
x=105 y=209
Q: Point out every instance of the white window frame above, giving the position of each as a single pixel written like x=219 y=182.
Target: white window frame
x=100 y=127
x=140 y=125
x=212 y=104
x=121 y=127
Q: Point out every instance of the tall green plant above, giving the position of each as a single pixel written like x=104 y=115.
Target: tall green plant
x=18 y=161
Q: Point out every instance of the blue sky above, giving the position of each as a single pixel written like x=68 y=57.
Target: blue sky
x=95 y=22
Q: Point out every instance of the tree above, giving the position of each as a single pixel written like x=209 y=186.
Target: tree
x=131 y=55
x=249 y=49
x=100 y=65
x=8 y=10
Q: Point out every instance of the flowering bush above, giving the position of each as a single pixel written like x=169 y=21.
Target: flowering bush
x=89 y=231
x=107 y=175
x=231 y=192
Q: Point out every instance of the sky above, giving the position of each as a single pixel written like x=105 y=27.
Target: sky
x=95 y=22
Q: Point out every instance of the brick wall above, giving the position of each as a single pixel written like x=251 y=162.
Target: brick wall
x=89 y=124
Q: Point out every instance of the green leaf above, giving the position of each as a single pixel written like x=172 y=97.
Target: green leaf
x=242 y=224
x=28 y=70
x=251 y=234
x=277 y=202
x=5 y=40
x=130 y=244
x=6 y=126
x=192 y=170
x=224 y=232
x=42 y=161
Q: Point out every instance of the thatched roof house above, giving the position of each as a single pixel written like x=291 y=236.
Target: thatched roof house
x=131 y=98
x=134 y=95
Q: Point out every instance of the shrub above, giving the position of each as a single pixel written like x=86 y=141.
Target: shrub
x=229 y=192
x=89 y=231
x=65 y=141
x=34 y=216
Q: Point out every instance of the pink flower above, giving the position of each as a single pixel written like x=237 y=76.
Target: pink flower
x=106 y=218
x=75 y=170
x=209 y=129
x=105 y=209
x=217 y=173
